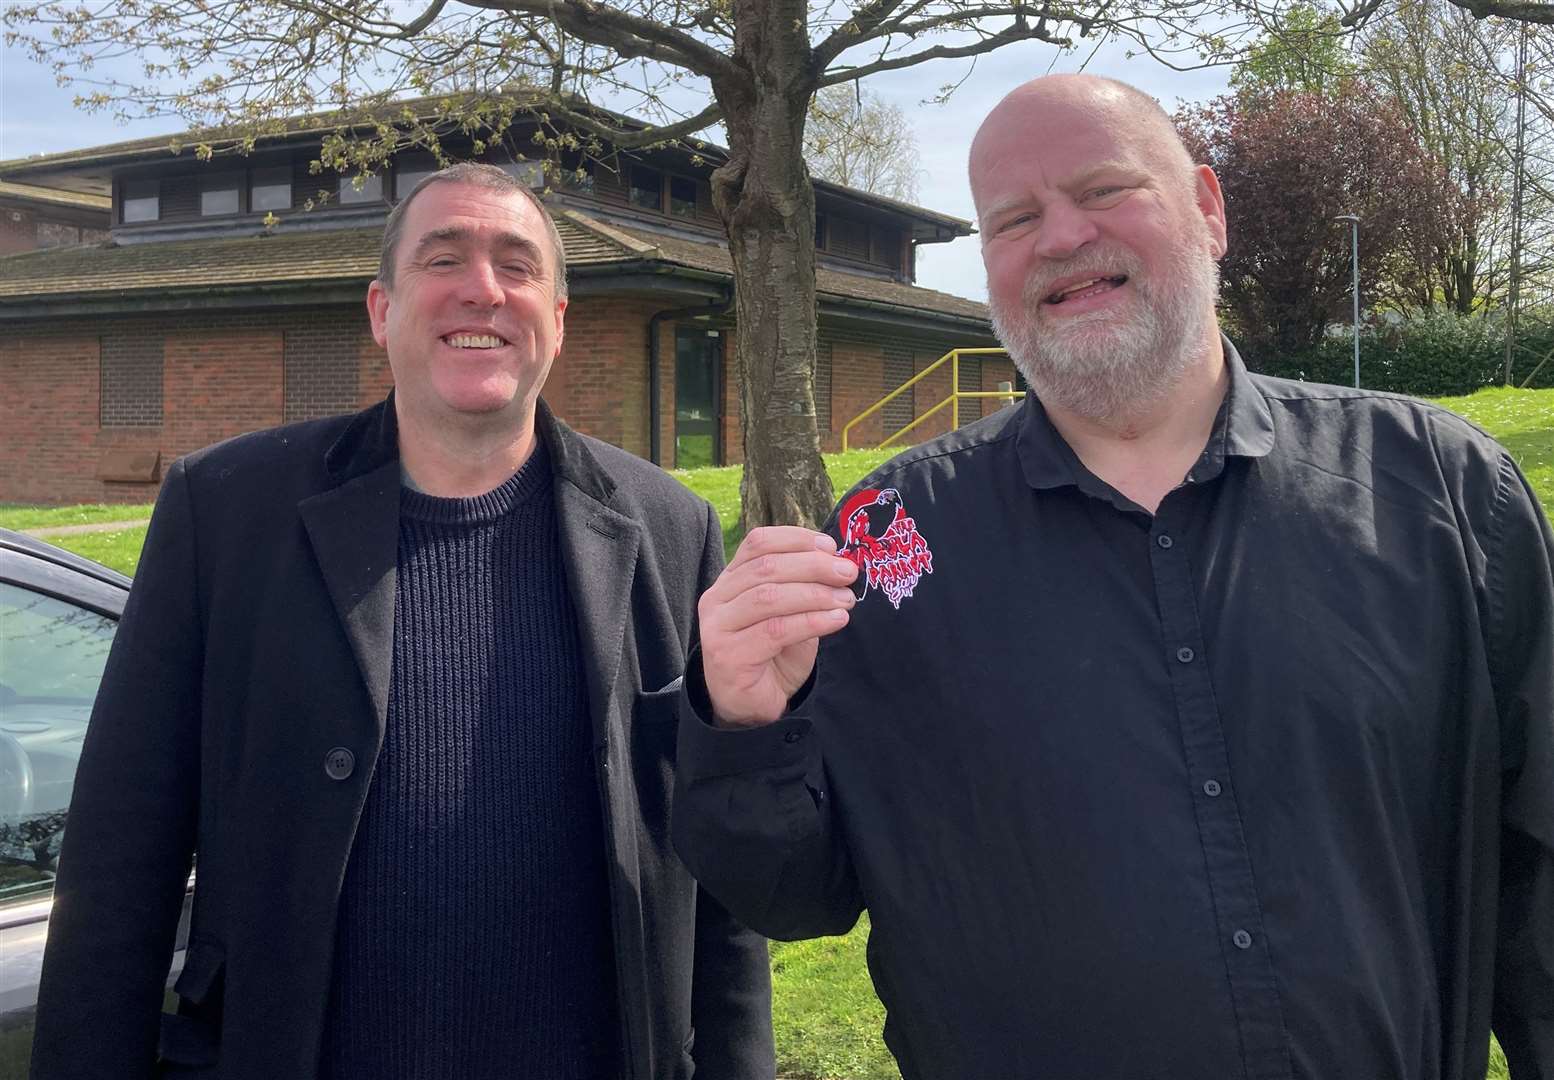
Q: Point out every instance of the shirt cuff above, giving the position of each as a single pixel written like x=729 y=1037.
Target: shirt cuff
x=706 y=751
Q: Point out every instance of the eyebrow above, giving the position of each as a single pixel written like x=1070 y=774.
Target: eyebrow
x=458 y=234
x=1083 y=180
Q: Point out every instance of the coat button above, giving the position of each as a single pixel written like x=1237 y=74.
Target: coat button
x=339 y=763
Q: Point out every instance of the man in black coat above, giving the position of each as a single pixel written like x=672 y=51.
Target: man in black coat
x=404 y=683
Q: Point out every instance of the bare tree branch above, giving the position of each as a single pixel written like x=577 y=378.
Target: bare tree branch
x=628 y=34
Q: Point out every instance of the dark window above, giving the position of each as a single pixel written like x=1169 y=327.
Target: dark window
x=698 y=393
x=355 y=190
x=270 y=189
x=823 y=386
x=52 y=655
x=820 y=232
x=219 y=195
x=131 y=380
x=647 y=188
x=849 y=239
x=141 y=201
x=682 y=196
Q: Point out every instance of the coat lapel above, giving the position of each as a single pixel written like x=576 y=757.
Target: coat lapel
x=599 y=546
x=354 y=531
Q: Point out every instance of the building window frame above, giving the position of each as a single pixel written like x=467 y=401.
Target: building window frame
x=219 y=186
x=264 y=178
x=370 y=191
x=642 y=195
x=140 y=201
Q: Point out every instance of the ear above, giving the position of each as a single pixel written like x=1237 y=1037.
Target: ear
x=1211 y=204
x=377 y=311
x=561 y=330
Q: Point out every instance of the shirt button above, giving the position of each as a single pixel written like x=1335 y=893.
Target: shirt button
x=793 y=736
x=339 y=763
x=1211 y=788
x=1185 y=655
x=1165 y=541
x=1242 y=939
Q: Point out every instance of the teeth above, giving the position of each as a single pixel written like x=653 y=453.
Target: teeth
x=474 y=341
x=1077 y=287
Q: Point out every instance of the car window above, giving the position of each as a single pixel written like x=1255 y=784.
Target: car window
x=52 y=654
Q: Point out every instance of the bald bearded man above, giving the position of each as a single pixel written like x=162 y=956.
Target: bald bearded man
x=1178 y=723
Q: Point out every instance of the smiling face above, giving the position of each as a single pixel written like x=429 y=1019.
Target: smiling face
x=472 y=322
x=1099 y=238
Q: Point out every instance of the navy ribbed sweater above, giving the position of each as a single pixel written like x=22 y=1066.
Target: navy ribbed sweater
x=474 y=937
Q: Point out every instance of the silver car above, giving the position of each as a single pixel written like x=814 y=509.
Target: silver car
x=58 y=614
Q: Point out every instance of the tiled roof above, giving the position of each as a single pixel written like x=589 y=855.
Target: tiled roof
x=294 y=258
x=136 y=269
x=828 y=283
x=55 y=197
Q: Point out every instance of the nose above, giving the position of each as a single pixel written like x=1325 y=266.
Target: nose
x=479 y=287
x=1064 y=229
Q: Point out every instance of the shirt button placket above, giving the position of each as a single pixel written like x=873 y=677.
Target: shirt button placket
x=1239 y=915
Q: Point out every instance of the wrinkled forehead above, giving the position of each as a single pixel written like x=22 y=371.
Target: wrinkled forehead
x=1057 y=133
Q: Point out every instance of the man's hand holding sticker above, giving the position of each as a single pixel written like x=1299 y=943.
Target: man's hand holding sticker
x=762 y=621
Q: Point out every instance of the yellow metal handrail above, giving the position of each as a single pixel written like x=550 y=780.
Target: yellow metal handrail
x=953 y=401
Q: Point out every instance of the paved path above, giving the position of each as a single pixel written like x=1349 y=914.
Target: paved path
x=76 y=530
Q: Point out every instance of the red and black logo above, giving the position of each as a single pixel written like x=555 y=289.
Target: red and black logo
x=883 y=542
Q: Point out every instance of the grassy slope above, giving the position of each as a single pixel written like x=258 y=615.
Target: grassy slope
x=826 y=1015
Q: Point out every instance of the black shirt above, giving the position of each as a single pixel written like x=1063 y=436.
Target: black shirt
x=1259 y=786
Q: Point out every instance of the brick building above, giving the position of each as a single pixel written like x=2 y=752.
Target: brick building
x=230 y=296
x=35 y=217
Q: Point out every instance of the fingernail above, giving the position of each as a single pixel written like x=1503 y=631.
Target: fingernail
x=843 y=596
x=824 y=542
x=844 y=569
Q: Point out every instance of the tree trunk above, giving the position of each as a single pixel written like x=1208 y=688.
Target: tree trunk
x=767 y=204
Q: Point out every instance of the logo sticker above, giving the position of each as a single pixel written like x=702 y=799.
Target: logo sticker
x=883 y=543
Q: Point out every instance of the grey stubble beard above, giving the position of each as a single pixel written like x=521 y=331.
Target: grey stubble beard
x=1107 y=366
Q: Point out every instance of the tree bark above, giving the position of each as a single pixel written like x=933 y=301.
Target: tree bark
x=767 y=204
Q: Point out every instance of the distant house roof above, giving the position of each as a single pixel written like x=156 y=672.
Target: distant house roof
x=324 y=267
x=88 y=169
x=53 y=197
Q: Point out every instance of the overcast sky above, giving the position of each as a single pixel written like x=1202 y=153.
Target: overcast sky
x=36 y=117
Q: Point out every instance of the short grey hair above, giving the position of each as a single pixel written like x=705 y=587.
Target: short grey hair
x=478 y=175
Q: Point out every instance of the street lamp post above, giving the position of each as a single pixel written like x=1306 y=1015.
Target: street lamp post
x=1354 y=222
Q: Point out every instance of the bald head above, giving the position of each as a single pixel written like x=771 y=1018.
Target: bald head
x=1099 y=237
x=1127 y=115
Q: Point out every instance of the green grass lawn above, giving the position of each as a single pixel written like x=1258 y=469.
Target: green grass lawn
x=16 y=516
x=826 y=1016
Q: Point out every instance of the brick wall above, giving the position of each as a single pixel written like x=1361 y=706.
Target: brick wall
x=131 y=365
x=18 y=230
x=599 y=383
x=322 y=367
x=169 y=384
x=68 y=386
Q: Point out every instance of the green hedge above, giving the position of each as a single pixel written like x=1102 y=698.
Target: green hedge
x=1427 y=356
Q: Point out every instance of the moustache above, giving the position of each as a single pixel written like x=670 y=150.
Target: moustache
x=1041 y=282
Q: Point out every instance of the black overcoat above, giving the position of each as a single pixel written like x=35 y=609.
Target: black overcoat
x=240 y=716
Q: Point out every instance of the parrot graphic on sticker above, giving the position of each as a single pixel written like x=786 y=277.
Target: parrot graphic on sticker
x=883 y=543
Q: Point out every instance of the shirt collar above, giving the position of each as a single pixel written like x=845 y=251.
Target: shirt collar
x=1242 y=428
